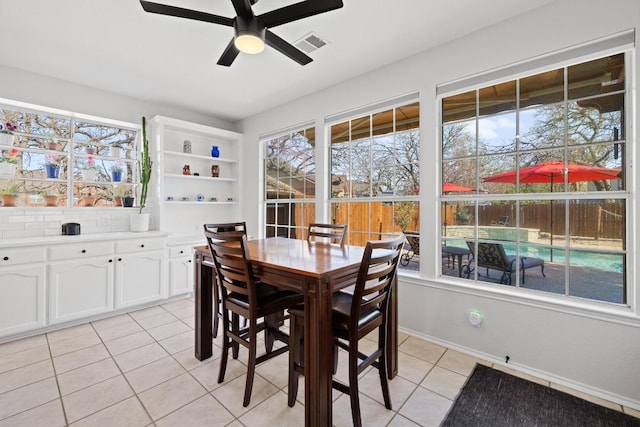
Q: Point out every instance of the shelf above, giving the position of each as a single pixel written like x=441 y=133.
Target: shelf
x=197 y=156
x=194 y=177
x=195 y=202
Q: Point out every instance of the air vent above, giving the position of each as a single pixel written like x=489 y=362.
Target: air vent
x=310 y=43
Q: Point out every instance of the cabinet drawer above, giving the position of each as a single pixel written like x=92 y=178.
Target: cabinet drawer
x=21 y=256
x=80 y=250
x=137 y=245
x=180 y=251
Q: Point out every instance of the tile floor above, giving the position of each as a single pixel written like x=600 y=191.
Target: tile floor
x=138 y=369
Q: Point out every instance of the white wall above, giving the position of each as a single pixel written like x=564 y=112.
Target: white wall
x=584 y=348
x=39 y=89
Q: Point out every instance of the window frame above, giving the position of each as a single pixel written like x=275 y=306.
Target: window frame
x=626 y=194
x=71 y=156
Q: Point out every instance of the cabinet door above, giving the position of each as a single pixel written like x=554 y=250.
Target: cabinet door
x=79 y=289
x=22 y=299
x=140 y=278
x=180 y=276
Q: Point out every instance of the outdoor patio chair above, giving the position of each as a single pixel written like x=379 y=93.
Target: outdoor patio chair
x=493 y=257
x=413 y=239
x=504 y=220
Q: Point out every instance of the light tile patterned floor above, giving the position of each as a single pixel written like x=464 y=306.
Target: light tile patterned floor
x=138 y=369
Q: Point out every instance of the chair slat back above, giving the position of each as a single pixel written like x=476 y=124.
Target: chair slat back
x=377 y=270
x=490 y=255
x=327 y=233
x=231 y=259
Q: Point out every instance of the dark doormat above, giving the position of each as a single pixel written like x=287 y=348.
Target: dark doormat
x=494 y=398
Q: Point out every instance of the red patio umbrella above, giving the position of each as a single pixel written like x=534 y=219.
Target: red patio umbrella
x=449 y=187
x=555 y=171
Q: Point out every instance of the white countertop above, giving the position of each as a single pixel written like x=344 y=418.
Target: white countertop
x=55 y=240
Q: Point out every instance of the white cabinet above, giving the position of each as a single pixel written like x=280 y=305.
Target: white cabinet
x=22 y=290
x=188 y=201
x=180 y=270
x=80 y=281
x=140 y=272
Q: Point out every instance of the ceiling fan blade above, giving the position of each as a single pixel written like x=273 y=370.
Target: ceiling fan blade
x=163 y=9
x=229 y=55
x=286 y=48
x=300 y=10
x=242 y=7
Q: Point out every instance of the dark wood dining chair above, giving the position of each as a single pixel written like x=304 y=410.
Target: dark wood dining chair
x=354 y=316
x=242 y=295
x=327 y=233
x=229 y=226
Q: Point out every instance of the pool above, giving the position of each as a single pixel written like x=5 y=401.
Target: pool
x=601 y=261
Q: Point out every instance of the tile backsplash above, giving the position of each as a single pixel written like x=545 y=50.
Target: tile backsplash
x=41 y=222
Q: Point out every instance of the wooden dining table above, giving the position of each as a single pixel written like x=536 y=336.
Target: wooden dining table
x=315 y=270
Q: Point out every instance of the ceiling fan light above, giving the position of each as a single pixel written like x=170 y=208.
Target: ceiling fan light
x=249 y=43
x=249 y=36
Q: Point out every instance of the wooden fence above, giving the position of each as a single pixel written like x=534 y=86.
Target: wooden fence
x=370 y=220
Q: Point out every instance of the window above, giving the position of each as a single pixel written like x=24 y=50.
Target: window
x=81 y=162
x=375 y=174
x=290 y=178
x=543 y=160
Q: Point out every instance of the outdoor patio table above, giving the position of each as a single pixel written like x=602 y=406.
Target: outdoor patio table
x=316 y=270
x=453 y=252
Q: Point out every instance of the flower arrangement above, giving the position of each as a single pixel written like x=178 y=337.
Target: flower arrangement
x=91 y=164
x=11 y=158
x=9 y=128
x=117 y=167
x=52 y=160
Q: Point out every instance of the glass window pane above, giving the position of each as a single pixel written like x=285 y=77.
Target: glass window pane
x=490 y=166
x=595 y=120
x=497 y=134
x=459 y=139
x=459 y=107
x=542 y=89
x=602 y=75
x=406 y=217
x=541 y=127
x=497 y=98
x=597 y=275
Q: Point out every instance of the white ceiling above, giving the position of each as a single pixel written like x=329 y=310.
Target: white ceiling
x=115 y=46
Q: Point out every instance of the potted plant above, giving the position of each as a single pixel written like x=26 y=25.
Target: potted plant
x=140 y=222
x=116 y=150
x=52 y=143
x=6 y=133
x=88 y=199
x=52 y=166
x=8 y=163
x=116 y=171
x=9 y=195
x=118 y=193
x=89 y=170
x=50 y=198
x=127 y=200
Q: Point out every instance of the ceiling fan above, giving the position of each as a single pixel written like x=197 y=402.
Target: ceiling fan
x=251 y=31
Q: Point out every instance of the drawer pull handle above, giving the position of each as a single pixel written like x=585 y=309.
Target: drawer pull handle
x=110 y=260
x=181 y=252
x=119 y=259
x=189 y=260
x=142 y=245
x=84 y=251
x=6 y=258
